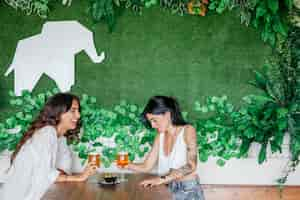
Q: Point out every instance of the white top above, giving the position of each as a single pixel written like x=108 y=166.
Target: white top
x=64 y=156
x=177 y=157
x=33 y=169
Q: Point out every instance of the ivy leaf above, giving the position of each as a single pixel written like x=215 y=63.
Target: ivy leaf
x=203 y=156
x=11 y=93
x=221 y=162
x=18 y=102
x=97 y=144
x=93 y=100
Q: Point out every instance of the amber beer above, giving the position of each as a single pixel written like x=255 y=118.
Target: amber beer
x=122 y=159
x=94 y=158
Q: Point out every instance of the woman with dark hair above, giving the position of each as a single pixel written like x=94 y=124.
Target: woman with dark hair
x=32 y=168
x=174 y=150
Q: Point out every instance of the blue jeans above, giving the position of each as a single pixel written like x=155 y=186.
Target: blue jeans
x=186 y=190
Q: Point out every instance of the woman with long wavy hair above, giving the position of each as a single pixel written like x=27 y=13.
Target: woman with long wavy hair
x=33 y=168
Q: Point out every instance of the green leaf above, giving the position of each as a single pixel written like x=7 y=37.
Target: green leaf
x=11 y=93
x=262 y=154
x=203 y=156
x=93 y=99
x=278 y=27
x=18 y=102
x=261 y=99
x=282 y=124
x=274 y=146
x=220 y=162
x=249 y=132
x=197 y=106
x=204 y=109
x=133 y=108
x=273 y=5
x=20 y=115
x=289 y=4
x=97 y=144
x=245 y=147
x=260 y=11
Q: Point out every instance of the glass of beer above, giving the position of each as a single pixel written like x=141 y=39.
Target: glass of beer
x=122 y=161
x=94 y=158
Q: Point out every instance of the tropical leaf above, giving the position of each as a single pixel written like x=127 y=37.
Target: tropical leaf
x=262 y=153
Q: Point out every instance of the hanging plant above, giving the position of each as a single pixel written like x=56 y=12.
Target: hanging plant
x=197 y=7
x=39 y=7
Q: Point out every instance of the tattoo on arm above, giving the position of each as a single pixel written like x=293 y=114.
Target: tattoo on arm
x=191 y=164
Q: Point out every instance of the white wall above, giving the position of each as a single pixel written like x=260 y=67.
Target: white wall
x=4 y=164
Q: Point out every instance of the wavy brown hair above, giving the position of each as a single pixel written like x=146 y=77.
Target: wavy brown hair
x=50 y=116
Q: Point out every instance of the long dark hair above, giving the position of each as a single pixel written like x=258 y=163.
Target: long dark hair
x=160 y=105
x=49 y=115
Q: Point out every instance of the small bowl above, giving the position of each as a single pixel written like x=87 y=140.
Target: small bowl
x=111 y=179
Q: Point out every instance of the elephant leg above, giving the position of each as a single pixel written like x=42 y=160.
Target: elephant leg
x=25 y=80
x=63 y=74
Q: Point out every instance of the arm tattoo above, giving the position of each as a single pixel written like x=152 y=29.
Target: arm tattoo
x=191 y=164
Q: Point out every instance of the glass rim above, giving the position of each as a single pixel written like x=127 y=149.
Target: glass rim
x=94 y=154
x=123 y=153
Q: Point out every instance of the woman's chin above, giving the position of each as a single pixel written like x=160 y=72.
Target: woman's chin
x=73 y=127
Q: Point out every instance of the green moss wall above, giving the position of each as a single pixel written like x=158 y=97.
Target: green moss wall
x=157 y=53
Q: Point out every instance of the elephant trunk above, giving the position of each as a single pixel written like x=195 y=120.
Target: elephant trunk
x=91 y=50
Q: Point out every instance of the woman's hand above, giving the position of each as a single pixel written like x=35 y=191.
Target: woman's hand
x=152 y=182
x=89 y=170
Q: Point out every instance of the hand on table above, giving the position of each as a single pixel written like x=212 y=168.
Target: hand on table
x=152 y=182
x=89 y=170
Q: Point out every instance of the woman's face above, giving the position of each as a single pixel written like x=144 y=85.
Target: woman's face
x=159 y=122
x=69 y=119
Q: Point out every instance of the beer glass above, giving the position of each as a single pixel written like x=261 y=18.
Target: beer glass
x=122 y=161
x=94 y=158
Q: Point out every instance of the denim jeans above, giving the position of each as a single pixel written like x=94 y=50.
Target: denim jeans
x=186 y=190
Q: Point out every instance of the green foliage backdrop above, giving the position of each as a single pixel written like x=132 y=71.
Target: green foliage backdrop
x=187 y=57
x=157 y=53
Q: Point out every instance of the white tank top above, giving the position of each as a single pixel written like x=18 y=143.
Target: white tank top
x=177 y=157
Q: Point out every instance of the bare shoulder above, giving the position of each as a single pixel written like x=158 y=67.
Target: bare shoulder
x=189 y=133
x=189 y=129
x=156 y=139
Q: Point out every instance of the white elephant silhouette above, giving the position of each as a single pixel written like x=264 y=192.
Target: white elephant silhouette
x=52 y=53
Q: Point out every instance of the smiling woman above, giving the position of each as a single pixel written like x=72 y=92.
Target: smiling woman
x=32 y=168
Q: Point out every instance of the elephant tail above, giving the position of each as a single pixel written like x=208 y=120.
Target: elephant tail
x=10 y=69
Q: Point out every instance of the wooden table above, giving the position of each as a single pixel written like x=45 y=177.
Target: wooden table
x=90 y=190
